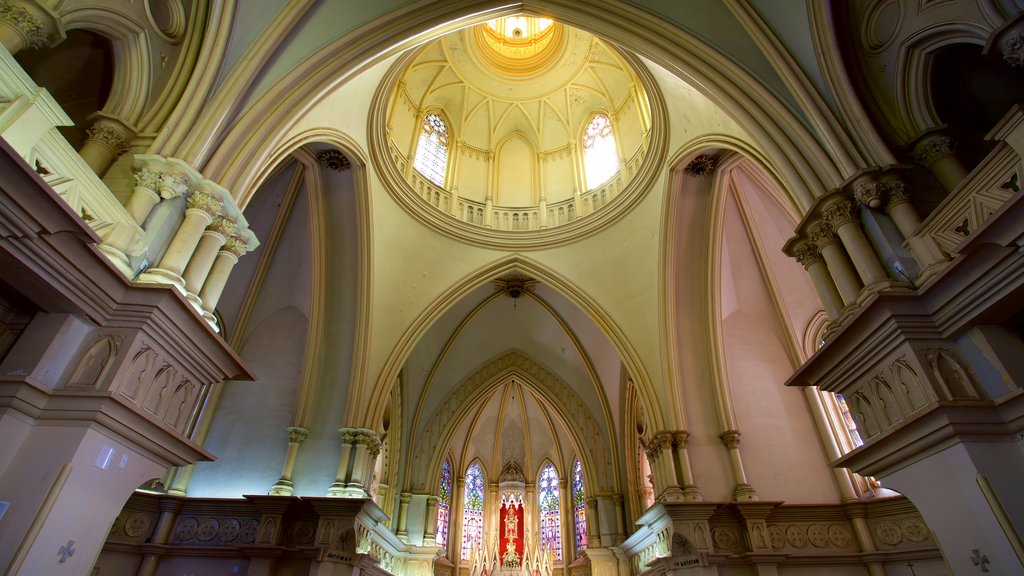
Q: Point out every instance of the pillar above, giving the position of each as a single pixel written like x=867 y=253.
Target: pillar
x=202 y=208
x=620 y=519
x=348 y=438
x=106 y=139
x=169 y=509
x=567 y=510
x=199 y=266
x=234 y=247
x=284 y=487
x=593 y=524
x=862 y=532
x=27 y=26
x=841 y=216
x=902 y=212
x=403 y=517
x=935 y=151
x=430 y=524
x=807 y=254
x=839 y=268
x=743 y=491
x=685 y=474
x=150 y=187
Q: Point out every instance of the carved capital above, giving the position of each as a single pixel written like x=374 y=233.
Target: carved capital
x=148 y=179
x=839 y=213
x=897 y=192
x=236 y=246
x=680 y=439
x=405 y=497
x=109 y=135
x=200 y=200
x=869 y=193
x=822 y=235
x=348 y=435
x=731 y=439
x=223 y=226
x=297 y=434
x=173 y=185
x=933 y=147
x=806 y=253
x=30 y=27
x=432 y=501
x=1013 y=50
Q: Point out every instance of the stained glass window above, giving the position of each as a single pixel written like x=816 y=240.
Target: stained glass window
x=432 y=149
x=550 y=517
x=579 y=505
x=851 y=426
x=444 y=505
x=473 y=510
x=600 y=156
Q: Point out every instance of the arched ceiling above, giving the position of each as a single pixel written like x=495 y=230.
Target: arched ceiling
x=540 y=340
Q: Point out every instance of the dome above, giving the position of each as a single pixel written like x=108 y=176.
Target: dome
x=509 y=130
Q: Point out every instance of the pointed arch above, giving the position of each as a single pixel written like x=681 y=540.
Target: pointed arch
x=473 y=508
x=600 y=153
x=549 y=509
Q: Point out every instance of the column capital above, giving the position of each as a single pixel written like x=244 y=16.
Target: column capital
x=297 y=434
x=111 y=134
x=235 y=246
x=932 y=146
x=869 y=192
x=839 y=212
x=432 y=501
x=37 y=26
x=806 y=253
x=206 y=202
x=897 y=192
x=223 y=226
x=405 y=497
x=822 y=235
x=731 y=439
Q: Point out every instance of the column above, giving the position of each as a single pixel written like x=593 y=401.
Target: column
x=743 y=491
x=367 y=447
x=27 y=26
x=403 y=517
x=530 y=522
x=455 y=522
x=430 y=524
x=198 y=269
x=839 y=268
x=935 y=151
x=690 y=491
x=169 y=509
x=348 y=438
x=283 y=487
x=593 y=524
x=620 y=520
x=662 y=465
x=568 y=525
x=862 y=532
x=543 y=207
x=150 y=187
x=902 y=212
x=202 y=208
x=106 y=139
x=841 y=216
x=807 y=254
x=234 y=247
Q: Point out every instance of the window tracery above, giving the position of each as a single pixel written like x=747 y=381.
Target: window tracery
x=579 y=505
x=600 y=154
x=473 y=510
x=444 y=500
x=550 y=511
x=432 y=149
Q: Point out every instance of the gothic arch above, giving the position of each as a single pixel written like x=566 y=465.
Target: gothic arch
x=807 y=167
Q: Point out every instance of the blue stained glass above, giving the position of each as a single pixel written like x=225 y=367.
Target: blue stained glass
x=579 y=505
x=444 y=505
x=473 y=510
x=550 y=518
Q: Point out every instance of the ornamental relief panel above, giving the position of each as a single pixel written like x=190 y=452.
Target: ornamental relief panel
x=201 y=530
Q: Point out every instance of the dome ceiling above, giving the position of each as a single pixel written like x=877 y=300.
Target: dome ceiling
x=516 y=97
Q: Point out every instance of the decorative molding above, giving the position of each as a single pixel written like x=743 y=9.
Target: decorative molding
x=333 y=159
x=31 y=29
x=701 y=166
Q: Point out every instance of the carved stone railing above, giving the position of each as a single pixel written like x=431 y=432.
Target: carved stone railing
x=672 y=536
x=29 y=120
x=994 y=181
x=160 y=225
x=297 y=530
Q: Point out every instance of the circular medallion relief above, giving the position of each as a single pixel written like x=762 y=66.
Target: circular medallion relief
x=883 y=21
x=168 y=18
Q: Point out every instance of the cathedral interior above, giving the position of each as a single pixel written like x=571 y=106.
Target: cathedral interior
x=477 y=288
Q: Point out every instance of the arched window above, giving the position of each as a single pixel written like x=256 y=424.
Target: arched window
x=473 y=510
x=579 y=505
x=600 y=156
x=550 y=514
x=444 y=505
x=432 y=149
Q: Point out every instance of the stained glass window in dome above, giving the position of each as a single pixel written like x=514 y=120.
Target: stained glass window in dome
x=579 y=505
x=600 y=155
x=432 y=149
x=550 y=516
x=444 y=505
x=473 y=510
